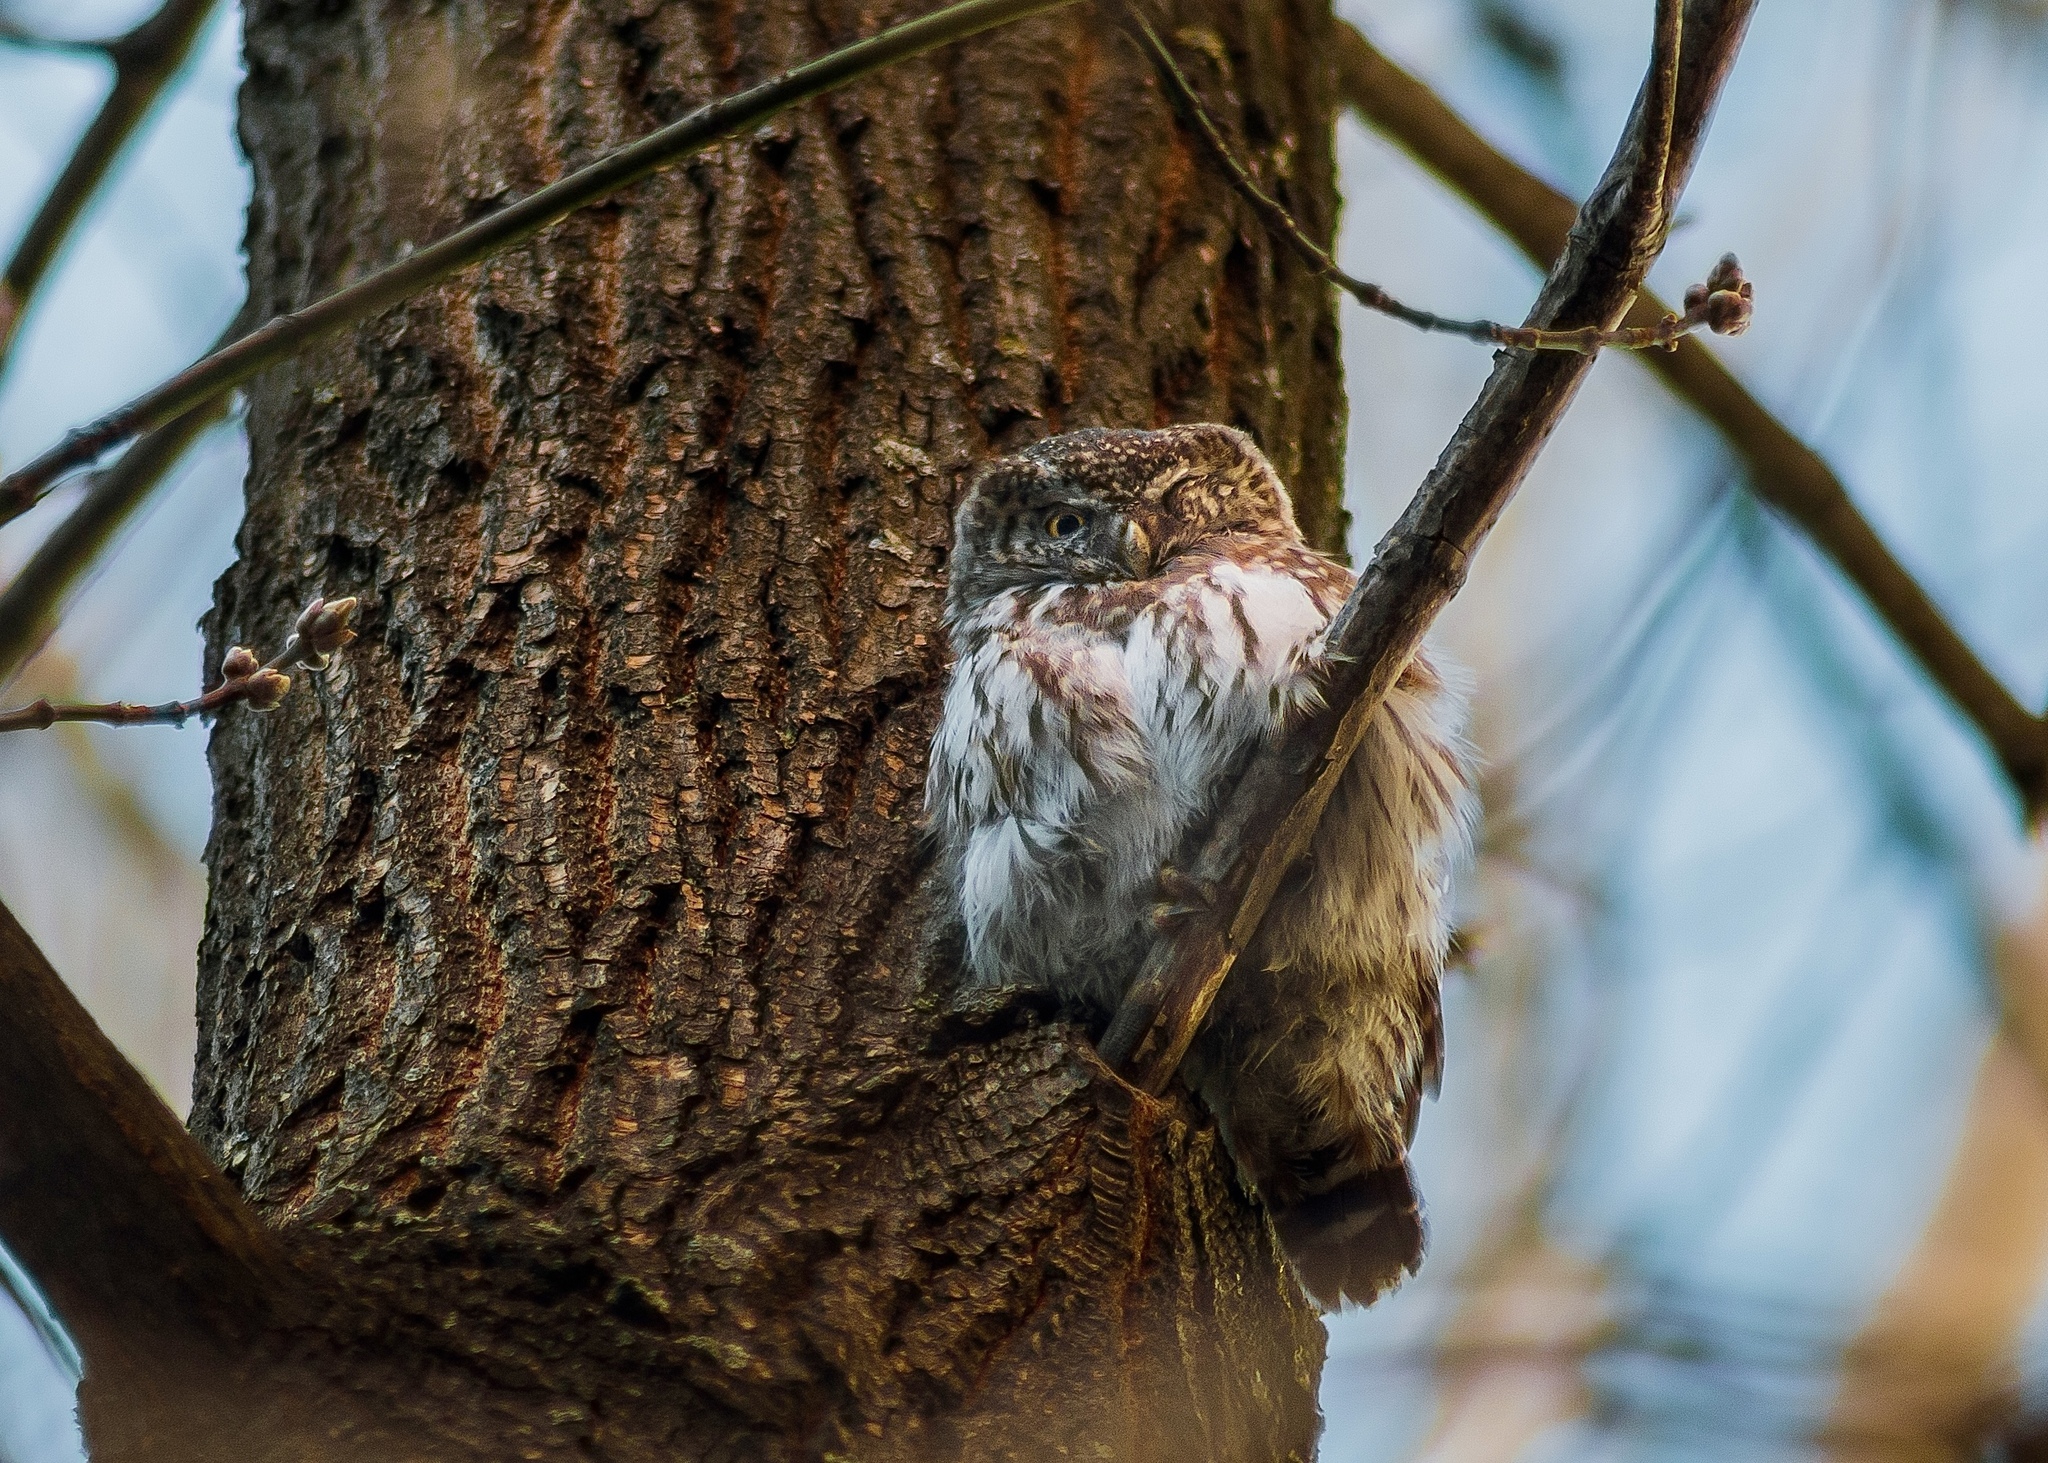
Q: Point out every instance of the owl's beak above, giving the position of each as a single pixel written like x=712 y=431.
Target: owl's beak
x=1137 y=549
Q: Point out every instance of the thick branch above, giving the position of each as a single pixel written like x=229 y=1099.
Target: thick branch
x=144 y=60
x=201 y=1337
x=1271 y=815
x=287 y=335
x=1783 y=470
x=150 y=1259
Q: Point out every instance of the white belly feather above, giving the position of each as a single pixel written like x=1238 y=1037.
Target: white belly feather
x=1085 y=729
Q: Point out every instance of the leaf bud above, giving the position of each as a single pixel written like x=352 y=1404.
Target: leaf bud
x=266 y=688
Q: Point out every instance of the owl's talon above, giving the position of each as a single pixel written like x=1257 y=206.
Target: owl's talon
x=1166 y=916
x=1186 y=891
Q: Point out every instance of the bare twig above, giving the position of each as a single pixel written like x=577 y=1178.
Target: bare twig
x=323 y=627
x=1783 y=470
x=145 y=59
x=285 y=336
x=1722 y=305
x=1270 y=816
x=34 y=598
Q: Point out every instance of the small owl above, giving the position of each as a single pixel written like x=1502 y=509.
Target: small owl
x=1133 y=614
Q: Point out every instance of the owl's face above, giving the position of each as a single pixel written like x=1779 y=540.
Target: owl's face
x=1101 y=506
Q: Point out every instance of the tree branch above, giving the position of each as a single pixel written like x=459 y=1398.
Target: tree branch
x=145 y=59
x=14 y=34
x=202 y=1336
x=151 y=1260
x=1268 y=820
x=1782 y=470
x=286 y=335
x=323 y=627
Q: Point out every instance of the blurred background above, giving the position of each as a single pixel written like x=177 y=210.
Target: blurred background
x=1743 y=1147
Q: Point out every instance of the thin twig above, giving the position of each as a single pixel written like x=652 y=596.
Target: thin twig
x=323 y=627
x=287 y=335
x=145 y=59
x=1783 y=470
x=1268 y=820
x=1723 y=306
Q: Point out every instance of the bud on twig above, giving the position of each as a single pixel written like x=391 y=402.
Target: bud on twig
x=1725 y=301
x=266 y=689
x=322 y=629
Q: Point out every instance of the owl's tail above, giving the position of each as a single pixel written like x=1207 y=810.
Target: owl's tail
x=1355 y=1241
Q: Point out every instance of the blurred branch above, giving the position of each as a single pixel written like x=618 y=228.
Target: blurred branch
x=1271 y=814
x=34 y=598
x=13 y=33
x=1783 y=471
x=1722 y=304
x=286 y=335
x=322 y=628
x=145 y=59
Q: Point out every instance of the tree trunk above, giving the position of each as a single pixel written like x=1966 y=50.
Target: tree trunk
x=563 y=996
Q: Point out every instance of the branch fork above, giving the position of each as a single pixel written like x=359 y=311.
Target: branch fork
x=1721 y=305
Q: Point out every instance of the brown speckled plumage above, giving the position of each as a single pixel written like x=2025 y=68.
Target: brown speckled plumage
x=1132 y=614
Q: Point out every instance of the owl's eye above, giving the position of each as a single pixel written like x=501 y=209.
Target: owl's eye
x=1065 y=523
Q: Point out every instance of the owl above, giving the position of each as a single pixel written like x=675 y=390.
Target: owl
x=1133 y=614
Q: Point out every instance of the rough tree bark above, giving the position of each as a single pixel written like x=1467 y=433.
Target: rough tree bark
x=562 y=996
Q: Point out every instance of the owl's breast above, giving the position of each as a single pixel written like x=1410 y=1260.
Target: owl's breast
x=1226 y=657
x=1087 y=727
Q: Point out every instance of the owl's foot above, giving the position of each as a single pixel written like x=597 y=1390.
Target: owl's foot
x=1181 y=895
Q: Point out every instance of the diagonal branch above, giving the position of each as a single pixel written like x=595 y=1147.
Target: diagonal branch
x=202 y=1334
x=1783 y=470
x=1267 y=822
x=145 y=59
x=287 y=335
x=150 y=1259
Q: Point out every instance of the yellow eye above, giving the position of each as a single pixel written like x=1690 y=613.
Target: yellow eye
x=1065 y=524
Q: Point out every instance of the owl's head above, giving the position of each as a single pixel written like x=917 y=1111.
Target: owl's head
x=1102 y=505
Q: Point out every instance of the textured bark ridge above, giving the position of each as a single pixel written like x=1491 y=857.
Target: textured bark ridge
x=562 y=990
